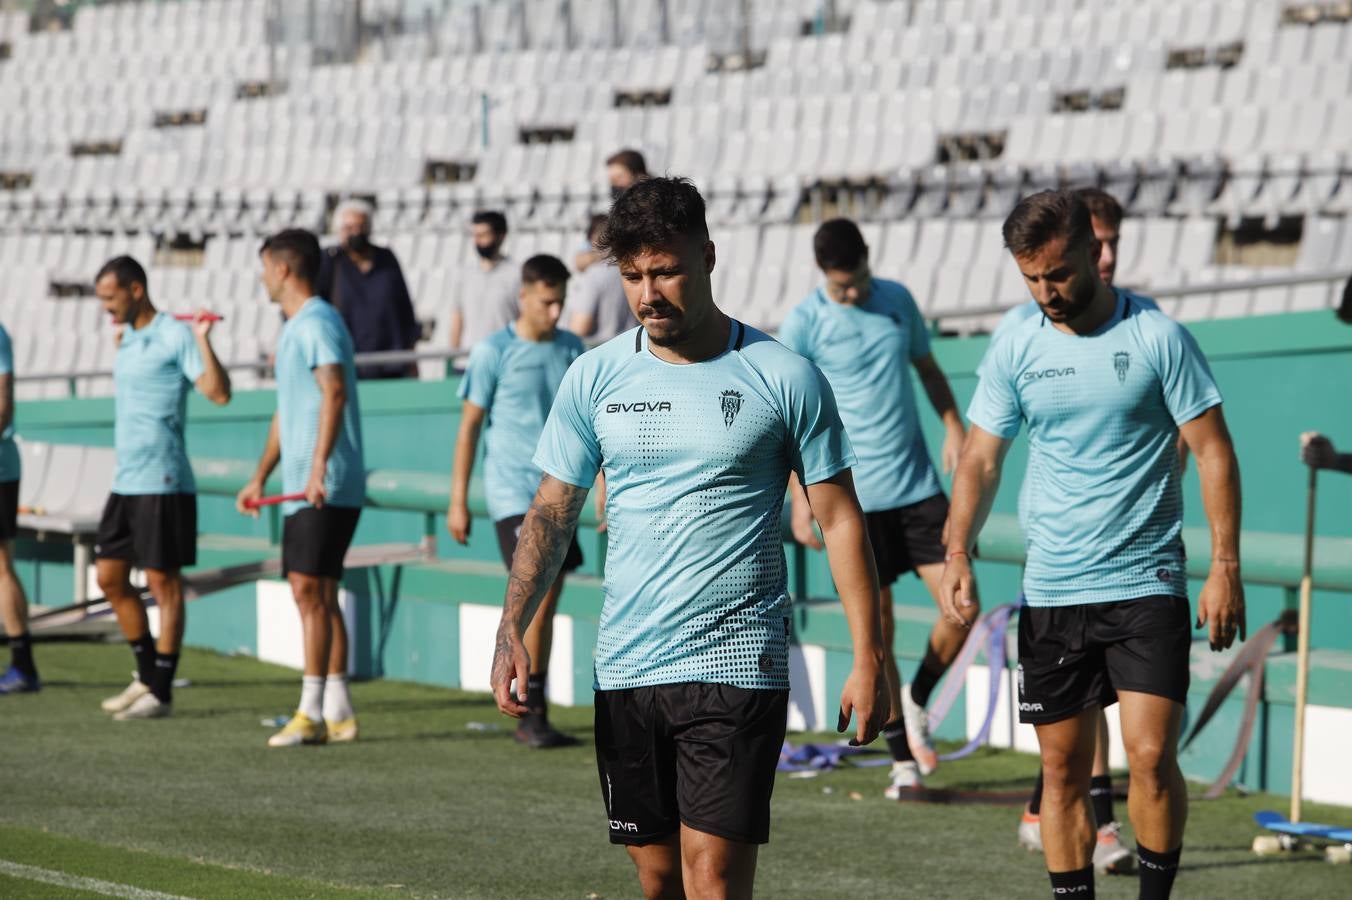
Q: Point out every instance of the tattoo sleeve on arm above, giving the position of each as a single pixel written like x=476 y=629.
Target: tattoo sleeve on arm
x=540 y=549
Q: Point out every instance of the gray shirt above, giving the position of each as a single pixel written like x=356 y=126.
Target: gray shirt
x=599 y=293
x=487 y=300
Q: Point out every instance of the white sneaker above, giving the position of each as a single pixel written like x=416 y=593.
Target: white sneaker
x=1111 y=856
x=905 y=777
x=130 y=694
x=917 y=733
x=146 y=706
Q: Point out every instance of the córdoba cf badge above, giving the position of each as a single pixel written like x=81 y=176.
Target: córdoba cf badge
x=732 y=405
x=1122 y=362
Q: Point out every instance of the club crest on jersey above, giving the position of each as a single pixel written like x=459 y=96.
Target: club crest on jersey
x=732 y=405
x=1121 y=362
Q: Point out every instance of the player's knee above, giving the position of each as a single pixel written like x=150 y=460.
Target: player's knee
x=111 y=583
x=1064 y=769
x=161 y=585
x=707 y=874
x=308 y=593
x=659 y=878
x=1151 y=762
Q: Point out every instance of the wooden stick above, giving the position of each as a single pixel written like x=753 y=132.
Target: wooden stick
x=1303 y=654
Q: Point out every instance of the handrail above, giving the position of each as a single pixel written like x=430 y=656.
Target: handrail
x=1183 y=290
x=361 y=359
x=1269 y=558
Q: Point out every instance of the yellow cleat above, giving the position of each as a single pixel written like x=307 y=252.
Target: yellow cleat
x=344 y=732
x=300 y=729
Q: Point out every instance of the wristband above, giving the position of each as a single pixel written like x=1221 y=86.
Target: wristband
x=948 y=557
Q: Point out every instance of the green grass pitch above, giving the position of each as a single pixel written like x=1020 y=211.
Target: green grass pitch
x=425 y=806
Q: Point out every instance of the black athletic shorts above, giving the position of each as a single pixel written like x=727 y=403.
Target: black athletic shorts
x=150 y=531
x=315 y=540
x=907 y=536
x=509 y=529
x=694 y=753
x=9 y=510
x=1072 y=658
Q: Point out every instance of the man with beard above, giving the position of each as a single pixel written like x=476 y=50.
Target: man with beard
x=150 y=520
x=696 y=421
x=487 y=301
x=1105 y=386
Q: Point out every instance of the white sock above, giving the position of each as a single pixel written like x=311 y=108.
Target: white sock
x=337 y=700
x=312 y=697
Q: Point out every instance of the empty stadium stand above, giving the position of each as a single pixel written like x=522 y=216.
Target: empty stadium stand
x=206 y=123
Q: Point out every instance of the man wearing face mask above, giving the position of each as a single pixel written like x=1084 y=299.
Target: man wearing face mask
x=623 y=170
x=487 y=301
x=366 y=285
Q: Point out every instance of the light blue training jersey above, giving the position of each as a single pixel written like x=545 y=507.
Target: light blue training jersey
x=316 y=336
x=866 y=353
x=155 y=369
x=696 y=460
x=514 y=381
x=9 y=454
x=1102 y=506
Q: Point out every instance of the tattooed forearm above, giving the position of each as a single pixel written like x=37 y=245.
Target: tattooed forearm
x=540 y=549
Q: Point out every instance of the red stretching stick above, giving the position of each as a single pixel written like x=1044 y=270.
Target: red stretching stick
x=192 y=317
x=272 y=501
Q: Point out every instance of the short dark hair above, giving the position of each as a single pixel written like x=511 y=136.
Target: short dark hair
x=492 y=218
x=1044 y=217
x=631 y=159
x=654 y=213
x=126 y=270
x=839 y=246
x=299 y=249
x=543 y=268
x=596 y=226
x=1102 y=206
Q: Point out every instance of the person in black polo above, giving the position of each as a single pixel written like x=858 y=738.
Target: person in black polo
x=365 y=283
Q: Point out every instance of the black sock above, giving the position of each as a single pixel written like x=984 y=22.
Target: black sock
x=1101 y=794
x=162 y=682
x=1157 y=872
x=1035 y=801
x=894 y=733
x=144 y=649
x=535 y=697
x=926 y=677
x=1077 y=885
x=21 y=654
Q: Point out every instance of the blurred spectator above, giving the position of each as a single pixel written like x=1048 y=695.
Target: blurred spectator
x=366 y=285
x=488 y=298
x=623 y=169
x=599 y=308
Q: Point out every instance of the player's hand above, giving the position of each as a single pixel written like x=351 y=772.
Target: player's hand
x=315 y=492
x=250 y=493
x=804 y=526
x=510 y=662
x=952 y=449
x=955 y=591
x=458 y=522
x=201 y=325
x=1317 y=450
x=118 y=332
x=865 y=698
x=1221 y=604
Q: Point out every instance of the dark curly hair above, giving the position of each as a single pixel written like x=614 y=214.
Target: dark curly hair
x=1046 y=216
x=655 y=213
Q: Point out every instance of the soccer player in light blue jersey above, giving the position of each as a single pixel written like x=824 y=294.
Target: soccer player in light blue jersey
x=696 y=421
x=1111 y=856
x=508 y=387
x=866 y=334
x=150 y=519
x=316 y=438
x=1104 y=386
x=22 y=675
